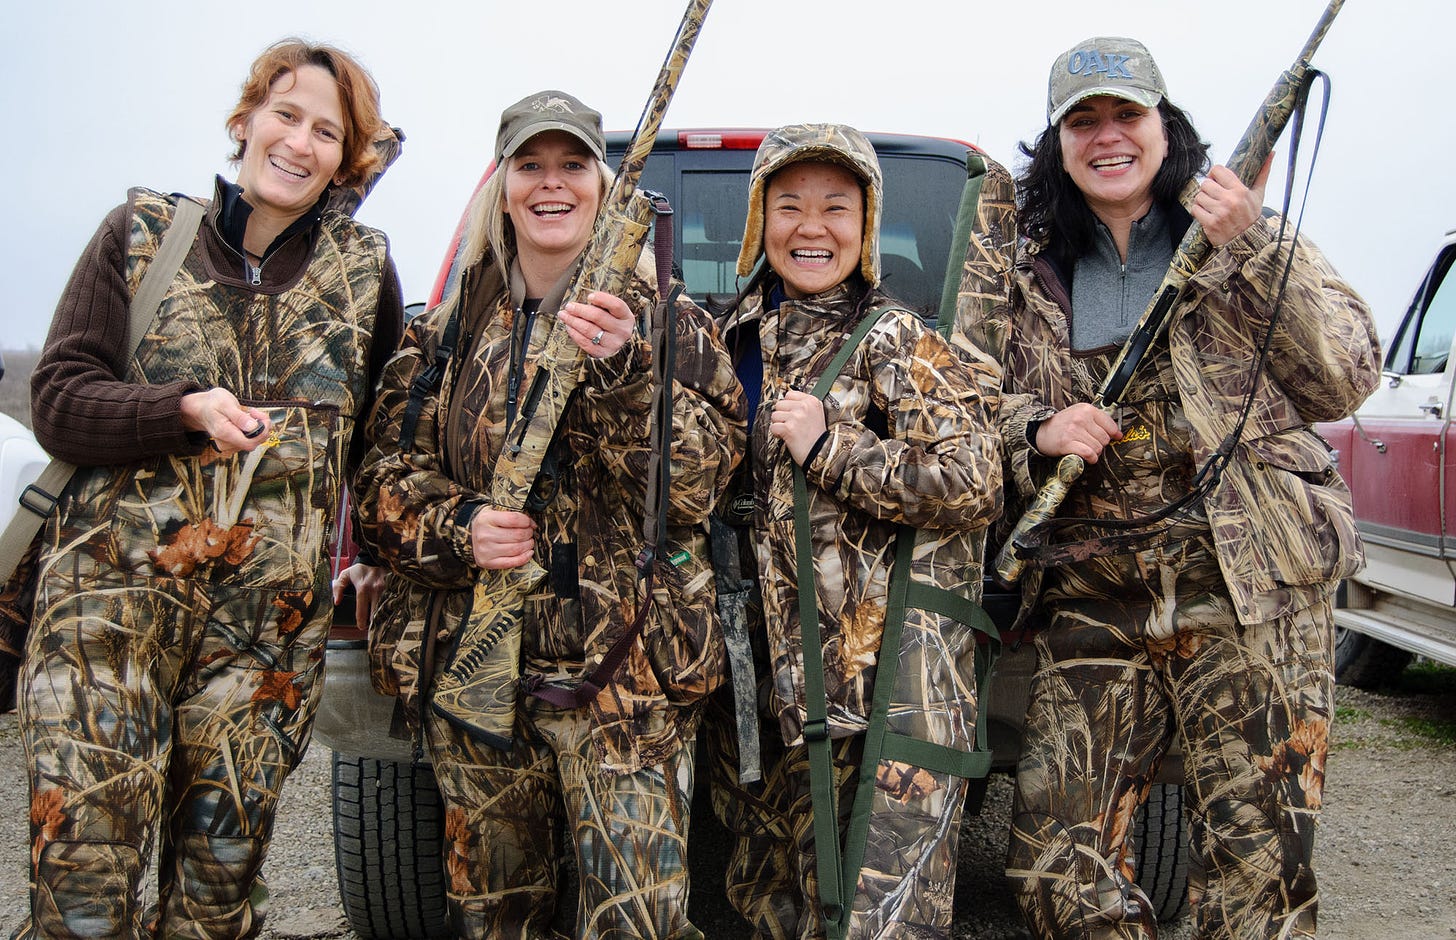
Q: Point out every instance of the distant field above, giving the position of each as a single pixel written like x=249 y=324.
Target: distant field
x=15 y=387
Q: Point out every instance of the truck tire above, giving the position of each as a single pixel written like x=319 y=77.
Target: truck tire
x=1365 y=662
x=1161 y=839
x=389 y=826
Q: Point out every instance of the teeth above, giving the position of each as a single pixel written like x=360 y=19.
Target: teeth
x=1111 y=162
x=292 y=169
x=812 y=254
x=548 y=207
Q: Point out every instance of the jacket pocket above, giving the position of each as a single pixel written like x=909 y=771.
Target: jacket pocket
x=683 y=638
x=1302 y=527
x=260 y=519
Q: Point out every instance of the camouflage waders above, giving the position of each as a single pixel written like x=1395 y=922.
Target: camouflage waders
x=511 y=814
x=1139 y=648
x=908 y=879
x=182 y=606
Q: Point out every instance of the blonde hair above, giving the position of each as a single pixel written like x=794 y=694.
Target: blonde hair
x=488 y=230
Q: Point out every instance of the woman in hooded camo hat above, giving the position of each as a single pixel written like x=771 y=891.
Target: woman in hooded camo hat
x=904 y=437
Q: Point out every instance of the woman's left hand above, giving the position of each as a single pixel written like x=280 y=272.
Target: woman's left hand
x=1225 y=207
x=798 y=420
x=600 y=327
x=368 y=583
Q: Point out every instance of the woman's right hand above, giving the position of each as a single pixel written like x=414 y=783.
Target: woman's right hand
x=230 y=427
x=1083 y=429
x=502 y=538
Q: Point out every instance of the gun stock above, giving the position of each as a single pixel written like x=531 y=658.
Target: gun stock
x=478 y=689
x=1248 y=158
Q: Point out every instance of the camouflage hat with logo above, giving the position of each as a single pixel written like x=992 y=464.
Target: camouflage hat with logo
x=811 y=143
x=1105 y=65
x=548 y=111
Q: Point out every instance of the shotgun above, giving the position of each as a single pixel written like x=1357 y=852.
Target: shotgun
x=477 y=690
x=1248 y=158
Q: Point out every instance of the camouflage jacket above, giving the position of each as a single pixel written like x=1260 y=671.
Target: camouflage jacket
x=911 y=440
x=416 y=500
x=1280 y=513
x=299 y=351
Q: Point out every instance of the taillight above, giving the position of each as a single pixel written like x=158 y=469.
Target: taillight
x=719 y=140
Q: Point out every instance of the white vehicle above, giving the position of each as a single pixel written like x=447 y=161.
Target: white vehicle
x=21 y=461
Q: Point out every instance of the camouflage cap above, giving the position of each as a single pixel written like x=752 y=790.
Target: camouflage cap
x=808 y=143
x=1104 y=65
x=548 y=111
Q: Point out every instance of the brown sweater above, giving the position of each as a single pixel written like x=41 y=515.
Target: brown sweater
x=84 y=414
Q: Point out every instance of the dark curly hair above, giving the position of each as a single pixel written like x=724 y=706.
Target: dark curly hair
x=1052 y=210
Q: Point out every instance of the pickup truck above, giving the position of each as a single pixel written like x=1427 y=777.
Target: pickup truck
x=388 y=820
x=1398 y=455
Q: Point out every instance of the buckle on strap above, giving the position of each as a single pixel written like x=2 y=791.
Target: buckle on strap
x=38 y=500
x=816 y=730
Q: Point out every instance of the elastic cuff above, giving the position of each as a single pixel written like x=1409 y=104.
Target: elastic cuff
x=814 y=451
x=618 y=368
x=460 y=531
x=1031 y=429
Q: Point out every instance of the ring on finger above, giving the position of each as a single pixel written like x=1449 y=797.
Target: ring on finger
x=597 y=340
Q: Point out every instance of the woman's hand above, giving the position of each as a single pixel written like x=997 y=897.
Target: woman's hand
x=600 y=327
x=502 y=538
x=230 y=427
x=798 y=421
x=1083 y=429
x=1225 y=207
x=368 y=584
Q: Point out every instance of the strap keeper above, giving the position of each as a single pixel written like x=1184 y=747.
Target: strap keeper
x=815 y=730
x=38 y=500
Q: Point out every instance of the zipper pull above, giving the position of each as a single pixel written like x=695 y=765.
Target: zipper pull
x=255 y=275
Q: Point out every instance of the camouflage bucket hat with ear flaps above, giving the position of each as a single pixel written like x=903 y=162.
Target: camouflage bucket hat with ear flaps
x=816 y=143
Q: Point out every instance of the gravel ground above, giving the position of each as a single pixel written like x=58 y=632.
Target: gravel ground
x=1386 y=853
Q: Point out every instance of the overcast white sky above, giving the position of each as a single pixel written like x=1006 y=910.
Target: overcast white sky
x=100 y=96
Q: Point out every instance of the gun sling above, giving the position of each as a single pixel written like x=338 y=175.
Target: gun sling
x=839 y=867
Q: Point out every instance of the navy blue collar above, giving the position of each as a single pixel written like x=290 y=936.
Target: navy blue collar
x=234 y=211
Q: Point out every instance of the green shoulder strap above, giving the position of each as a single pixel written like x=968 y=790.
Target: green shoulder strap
x=838 y=868
x=965 y=221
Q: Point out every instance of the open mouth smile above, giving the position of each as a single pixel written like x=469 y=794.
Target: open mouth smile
x=287 y=167
x=551 y=210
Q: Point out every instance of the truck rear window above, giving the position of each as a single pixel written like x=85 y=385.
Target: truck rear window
x=709 y=193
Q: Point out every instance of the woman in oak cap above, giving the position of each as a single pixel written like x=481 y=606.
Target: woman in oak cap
x=1214 y=630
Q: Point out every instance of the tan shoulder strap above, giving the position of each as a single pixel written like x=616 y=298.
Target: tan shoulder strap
x=38 y=500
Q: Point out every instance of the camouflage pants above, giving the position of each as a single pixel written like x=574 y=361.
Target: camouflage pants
x=762 y=879
x=510 y=812
x=907 y=881
x=1251 y=706
x=169 y=704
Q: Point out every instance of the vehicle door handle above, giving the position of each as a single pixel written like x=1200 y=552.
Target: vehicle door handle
x=1432 y=408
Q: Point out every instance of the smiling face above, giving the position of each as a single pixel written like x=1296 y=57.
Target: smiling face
x=552 y=192
x=1112 y=149
x=293 y=143
x=813 y=226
